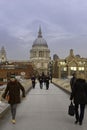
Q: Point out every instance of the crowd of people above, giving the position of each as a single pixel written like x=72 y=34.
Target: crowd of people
x=43 y=79
x=78 y=93
x=12 y=91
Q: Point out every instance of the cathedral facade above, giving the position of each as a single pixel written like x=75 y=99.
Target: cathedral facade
x=40 y=54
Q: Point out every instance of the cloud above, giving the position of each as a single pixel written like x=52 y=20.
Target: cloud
x=63 y=23
x=15 y=47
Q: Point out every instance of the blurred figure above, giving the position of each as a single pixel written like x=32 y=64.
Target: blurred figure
x=51 y=78
x=13 y=90
x=33 y=79
x=43 y=78
x=72 y=81
x=40 y=81
x=47 y=81
x=79 y=95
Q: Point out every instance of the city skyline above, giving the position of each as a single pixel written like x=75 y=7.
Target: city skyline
x=63 y=24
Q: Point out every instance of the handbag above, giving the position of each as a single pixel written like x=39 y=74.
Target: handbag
x=71 y=109
x=7 y=97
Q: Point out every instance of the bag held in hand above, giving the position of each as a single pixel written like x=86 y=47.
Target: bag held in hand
x=71 y=109
x=7 y=97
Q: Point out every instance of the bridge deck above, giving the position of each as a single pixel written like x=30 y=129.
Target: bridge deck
x=43 y=110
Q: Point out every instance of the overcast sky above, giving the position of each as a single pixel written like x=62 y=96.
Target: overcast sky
x=63 y=24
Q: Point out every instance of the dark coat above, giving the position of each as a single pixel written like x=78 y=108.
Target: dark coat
x=79 y=92
x=40 y=79
x=33 y=79
x=72 y=82
x=47 y=79
x=13 y=88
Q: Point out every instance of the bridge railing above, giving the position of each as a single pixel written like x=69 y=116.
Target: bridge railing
x=62 y=83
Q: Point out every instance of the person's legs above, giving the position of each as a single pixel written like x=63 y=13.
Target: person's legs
x=41 y=85
x=76 y=113
x=33 y=84
x=13 y=111
x=82 y=109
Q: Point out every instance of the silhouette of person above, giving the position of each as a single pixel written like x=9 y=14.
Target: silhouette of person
x=47 y=81
x=72 y=81
x=13 y=90
x=41 y=81
x=33 y=78
x=79 y=95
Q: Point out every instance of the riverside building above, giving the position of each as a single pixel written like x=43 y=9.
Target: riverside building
x=64 y=68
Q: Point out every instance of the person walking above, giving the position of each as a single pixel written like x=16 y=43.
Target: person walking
x=47 y=82
x=79 y=95
x=40 y=81
x=72 y=81
x=13 y=90
x=33 y=79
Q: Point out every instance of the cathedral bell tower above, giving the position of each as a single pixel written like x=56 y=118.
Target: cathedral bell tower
x=3 y=57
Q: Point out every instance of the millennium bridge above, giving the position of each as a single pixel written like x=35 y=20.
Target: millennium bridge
x=42 y=109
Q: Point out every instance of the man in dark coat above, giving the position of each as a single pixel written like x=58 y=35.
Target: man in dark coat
x=72 y=81
x=79 y=94
x=13 y=90
x=33 y=79
x=41 y=81
x=47 y=81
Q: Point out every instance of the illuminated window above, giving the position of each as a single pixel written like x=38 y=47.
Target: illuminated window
x=65 y=69
x=62 y=63
x=81 y=68
x=73 y=68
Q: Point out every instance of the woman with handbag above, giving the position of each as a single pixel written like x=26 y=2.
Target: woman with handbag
x=13 y=89
x=79 y=95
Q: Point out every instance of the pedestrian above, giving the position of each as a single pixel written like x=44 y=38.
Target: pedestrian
x=79 y=95
x=51 y=78
x=72 y=81
x=47 y=81
x=33 y=79
x=13 y=90
x=43 y=78
x=40 y=81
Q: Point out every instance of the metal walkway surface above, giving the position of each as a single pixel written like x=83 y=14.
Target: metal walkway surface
x=43 y=110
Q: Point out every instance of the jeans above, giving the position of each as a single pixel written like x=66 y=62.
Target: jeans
x=79 y=113
x=13 y=110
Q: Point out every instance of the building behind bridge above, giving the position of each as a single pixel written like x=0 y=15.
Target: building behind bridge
x=40 y=61
x=64 y=68
x=40 y=54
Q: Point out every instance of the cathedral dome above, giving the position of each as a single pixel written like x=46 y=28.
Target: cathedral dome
x=40 y=41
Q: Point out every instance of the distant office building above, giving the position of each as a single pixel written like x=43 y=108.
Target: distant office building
x=21 y=69
x=40 y=54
